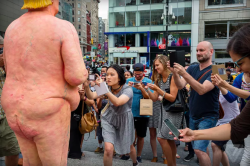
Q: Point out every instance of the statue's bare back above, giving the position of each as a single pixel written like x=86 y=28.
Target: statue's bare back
x=44 y=66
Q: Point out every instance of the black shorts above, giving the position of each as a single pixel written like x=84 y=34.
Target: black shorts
x=141 y=125
x=221 y=144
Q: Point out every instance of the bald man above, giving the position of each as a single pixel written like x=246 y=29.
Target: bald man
x=44 y=67
x=203 y=102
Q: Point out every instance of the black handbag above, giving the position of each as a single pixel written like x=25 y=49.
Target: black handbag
x=179 y=105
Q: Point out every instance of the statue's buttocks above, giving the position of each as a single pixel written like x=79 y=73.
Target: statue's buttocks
x=39 y=84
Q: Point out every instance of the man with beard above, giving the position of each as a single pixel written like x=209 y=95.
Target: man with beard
x=203 y=102
x=141 y=122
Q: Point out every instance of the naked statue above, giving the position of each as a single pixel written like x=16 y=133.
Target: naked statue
x=44 y=66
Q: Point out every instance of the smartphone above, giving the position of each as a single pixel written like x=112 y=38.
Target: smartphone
x=135 y=83
x=173 y=129
x=80 y=86
x=144 y=83
x=132 y=83
x=177 y=57
x=92 y=77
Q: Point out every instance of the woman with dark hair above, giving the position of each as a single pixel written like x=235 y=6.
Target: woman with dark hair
x=128 y=74
x=117 y=118
x=239 y=128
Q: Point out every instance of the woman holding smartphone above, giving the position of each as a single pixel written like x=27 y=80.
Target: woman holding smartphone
x=117 y=118
x=168 y=90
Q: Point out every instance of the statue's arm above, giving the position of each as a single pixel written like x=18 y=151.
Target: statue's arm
x=75 y=72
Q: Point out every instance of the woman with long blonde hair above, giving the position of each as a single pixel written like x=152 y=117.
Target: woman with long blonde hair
x=165 y=86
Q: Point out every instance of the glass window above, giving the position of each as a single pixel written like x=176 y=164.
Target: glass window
x=176 y=39
x=79 y=26
x=184 y=15
x=130 y=40
x=156 y=17
x=73 y=19
x=73 y=13
x=143 y=40
x=157 y=39
x=174 y=20
x=118 y=3
x=224 y=2
x=119 y=40
x=79 y=12
x=79 y=19
x=145 y=18
x=127 y=61
x=236 y=25
x=79 y=33
x=119 y=19
x=79 y=5
x=143 y=2
x=130 y=20
x=218 y=31
x=157 y=1
x=130 y=2
x=220 y=53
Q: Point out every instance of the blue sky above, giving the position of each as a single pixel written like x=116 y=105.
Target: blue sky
x=103 y=8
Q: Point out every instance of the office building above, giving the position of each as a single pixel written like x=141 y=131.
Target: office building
x=138 y=27
x=218 y=21
x=101 y=37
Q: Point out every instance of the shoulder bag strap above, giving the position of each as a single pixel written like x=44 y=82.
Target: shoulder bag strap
x=202 y=76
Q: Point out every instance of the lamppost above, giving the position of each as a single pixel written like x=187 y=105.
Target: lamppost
x=166 y=15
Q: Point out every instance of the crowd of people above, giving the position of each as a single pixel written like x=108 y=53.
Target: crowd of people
x=42 y=106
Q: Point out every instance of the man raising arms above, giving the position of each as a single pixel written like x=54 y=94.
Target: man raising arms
x=203 y=103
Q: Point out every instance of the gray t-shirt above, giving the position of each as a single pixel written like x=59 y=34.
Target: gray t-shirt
x=113 y=111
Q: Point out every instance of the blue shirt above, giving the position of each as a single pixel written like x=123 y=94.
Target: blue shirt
x=230 y=97
x=137 y=96
x=206 y=105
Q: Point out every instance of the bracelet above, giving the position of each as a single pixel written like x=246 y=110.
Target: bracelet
x=146 y=90
x=163 y=95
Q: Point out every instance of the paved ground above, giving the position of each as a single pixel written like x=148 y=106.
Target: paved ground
x=92 y=159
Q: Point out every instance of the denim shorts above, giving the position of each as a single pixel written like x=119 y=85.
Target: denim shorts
x=200 y=124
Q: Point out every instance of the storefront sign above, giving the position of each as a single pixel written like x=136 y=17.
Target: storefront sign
x=92 y=54
x=130 y=50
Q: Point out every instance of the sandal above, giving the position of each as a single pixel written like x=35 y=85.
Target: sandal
x=178 y=156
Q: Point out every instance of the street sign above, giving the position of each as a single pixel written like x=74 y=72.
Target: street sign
x=92 y=54
x=162 y=46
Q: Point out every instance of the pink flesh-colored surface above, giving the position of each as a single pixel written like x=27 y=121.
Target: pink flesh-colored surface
x=36 y=97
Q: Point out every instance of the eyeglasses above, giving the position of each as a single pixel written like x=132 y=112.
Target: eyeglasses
x=236 y=63
x=138 y=74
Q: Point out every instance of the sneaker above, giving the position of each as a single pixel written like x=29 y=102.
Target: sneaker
x=139 y=159
x=98 y=150
x=165 y=161
x=136 y=164
x=188 y=157
x=178 y=156
x=154 y=160
x=125 y=157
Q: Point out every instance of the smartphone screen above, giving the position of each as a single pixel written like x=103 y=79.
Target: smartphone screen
x=173 y=129
x=92 y=77
x=135 y=83
x=80 y=86
x=144 y=83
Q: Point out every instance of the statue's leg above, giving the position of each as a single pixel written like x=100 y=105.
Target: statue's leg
x=53 y=141
x=29 y=151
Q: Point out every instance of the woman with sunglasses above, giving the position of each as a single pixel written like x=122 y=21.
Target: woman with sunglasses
x=239 y=128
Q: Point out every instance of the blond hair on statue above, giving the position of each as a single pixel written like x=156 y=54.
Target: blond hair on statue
x=36 y=4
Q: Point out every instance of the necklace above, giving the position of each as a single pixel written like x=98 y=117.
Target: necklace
x=116 y=89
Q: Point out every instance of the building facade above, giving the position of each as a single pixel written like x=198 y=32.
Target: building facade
x=101 y=37
x=9 y=11
x=92 y=7
x=88 y=15
x=79 y=21
x=218 y=21
x=106 y=22
x=138 y=27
